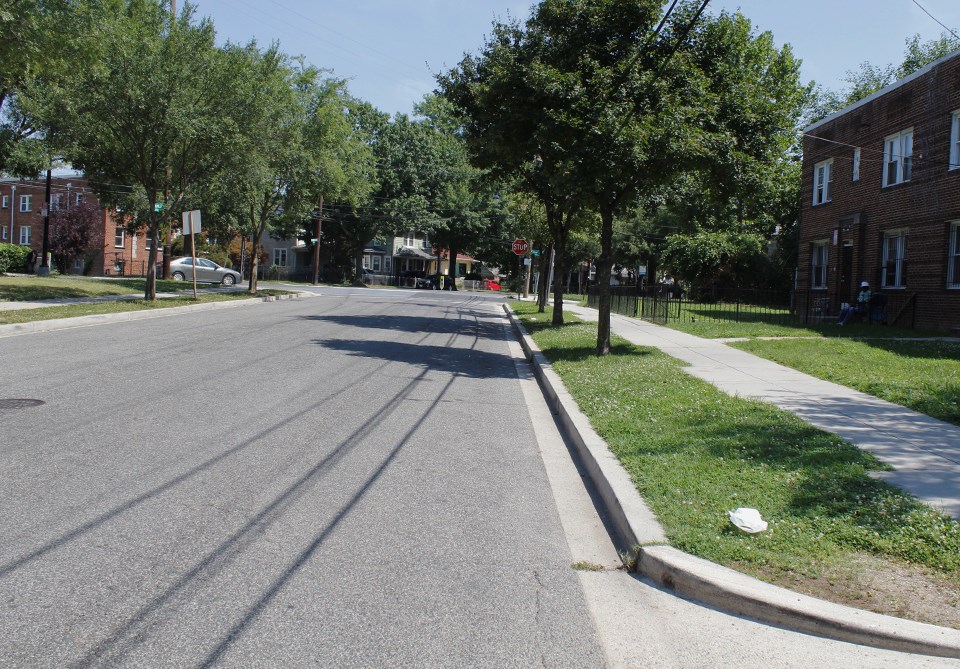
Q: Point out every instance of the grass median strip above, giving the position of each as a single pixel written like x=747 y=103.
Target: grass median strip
x=74 y=310
x=695 y=453
x=29 y=288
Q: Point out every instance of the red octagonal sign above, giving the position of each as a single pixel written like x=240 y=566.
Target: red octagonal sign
x=520 y=246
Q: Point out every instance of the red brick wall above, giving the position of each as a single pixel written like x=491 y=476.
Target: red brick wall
x=923 y=206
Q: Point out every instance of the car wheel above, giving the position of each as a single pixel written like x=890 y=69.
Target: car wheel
x=178 y=276
x=229 y=280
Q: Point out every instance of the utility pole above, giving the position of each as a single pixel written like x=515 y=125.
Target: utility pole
x=44 y=269
x=168 y=235
x=316 y=246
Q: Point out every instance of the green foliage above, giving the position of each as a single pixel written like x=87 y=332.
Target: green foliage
x=868 y=78
x=13 y=258
x=707 y=258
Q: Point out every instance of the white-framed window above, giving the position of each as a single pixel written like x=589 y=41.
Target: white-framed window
x=5 y=202
x=856 y=164
x=133 y=245
x=898 y=158
x=386 y=264
x=425 y=243
x=820 y=254
x=823 y=182
x=79 y=199
x=119 y=236
x=56 y=201
x=893 y=273
x=375 y=264
x=955 y=141
x=280 y=257
x=410 y=239
x=25 y=232
x=3 y=233
x=26 y=203
x=953 y=256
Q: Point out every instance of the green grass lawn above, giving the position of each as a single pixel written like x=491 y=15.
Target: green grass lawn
x=695 y=453
x=921 y=375
x=74 y=310
x=29 y=288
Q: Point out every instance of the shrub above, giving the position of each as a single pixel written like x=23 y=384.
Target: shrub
x=13 y=258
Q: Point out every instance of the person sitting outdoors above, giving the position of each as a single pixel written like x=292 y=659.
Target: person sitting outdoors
x=859 y=307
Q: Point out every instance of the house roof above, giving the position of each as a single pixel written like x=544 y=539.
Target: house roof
x=883 y=91
x=413 y=252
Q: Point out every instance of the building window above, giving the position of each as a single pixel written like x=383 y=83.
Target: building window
x=133 y=245
x=897 y=158
x=25 y=235
x=818 y=264
x=823 y=182
x=119 y=236
x=79 y=198
x=280 y=257
x=856 y=164
x=56 y=201
x=894 y=271
x=25 y=203
x=6 y=202
x=953 y=256
x=386 y=264
x=955 y=141
x=3 y=233
x=409 y=239
x=425 y=243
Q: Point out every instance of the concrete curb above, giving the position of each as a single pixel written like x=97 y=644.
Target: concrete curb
x=702 y=580
x=101 y=319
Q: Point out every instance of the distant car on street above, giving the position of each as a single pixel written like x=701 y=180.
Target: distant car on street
x=490 y=284
x=181 y=269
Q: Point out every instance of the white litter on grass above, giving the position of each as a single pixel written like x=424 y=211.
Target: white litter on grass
x=748 y=520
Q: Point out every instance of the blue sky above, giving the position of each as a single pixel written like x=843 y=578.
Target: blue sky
x=389 y=49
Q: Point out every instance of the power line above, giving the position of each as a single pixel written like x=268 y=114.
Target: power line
x=942 y=25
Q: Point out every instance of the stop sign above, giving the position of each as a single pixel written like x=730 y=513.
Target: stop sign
x=520 y=246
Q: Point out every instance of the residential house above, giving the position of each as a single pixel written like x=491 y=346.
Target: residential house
x=881 y=201
x=22 y=203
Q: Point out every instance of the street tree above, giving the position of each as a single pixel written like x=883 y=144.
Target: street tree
x=73 y=232
x=147 y=115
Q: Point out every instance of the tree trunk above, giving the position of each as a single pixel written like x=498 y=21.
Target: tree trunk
x=542 y=287
x=452 y=269
x=150 y=292
x=559 y=266
x=604 y=266
x=254 y=262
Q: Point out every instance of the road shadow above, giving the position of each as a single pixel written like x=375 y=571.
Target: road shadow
x=465 y=362
x=483 y=328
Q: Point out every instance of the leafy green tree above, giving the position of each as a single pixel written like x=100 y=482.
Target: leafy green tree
x=148 y=115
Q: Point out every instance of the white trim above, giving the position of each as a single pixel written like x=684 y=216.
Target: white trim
x=899 y=279
x=856 y=164
x=5 y=202
x=954 y=163
x=280 y=254
x=953 y=257
x=823 y=182
x=25 y=234
x=26 y=204
x=898 y=157
x=122 y=237
x=823 y=246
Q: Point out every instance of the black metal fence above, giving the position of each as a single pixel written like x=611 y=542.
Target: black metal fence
x=662 y=304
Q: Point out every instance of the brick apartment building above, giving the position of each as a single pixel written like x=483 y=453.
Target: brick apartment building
x=881 y=201
x=115 y=251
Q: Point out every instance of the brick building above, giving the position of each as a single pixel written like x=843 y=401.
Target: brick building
x=115 y=251
x=881 y=201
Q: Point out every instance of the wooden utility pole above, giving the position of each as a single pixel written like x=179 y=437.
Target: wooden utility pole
x=316 y=246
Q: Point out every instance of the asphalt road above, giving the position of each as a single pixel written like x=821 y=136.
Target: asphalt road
x=366 y=478
x=346 y=480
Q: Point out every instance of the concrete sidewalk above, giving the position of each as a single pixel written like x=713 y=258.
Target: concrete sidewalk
x=924 y=451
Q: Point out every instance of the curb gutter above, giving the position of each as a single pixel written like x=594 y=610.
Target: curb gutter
x=705 y=581
x=99 y=319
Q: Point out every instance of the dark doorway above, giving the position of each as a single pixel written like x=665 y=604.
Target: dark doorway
x=846 y=271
